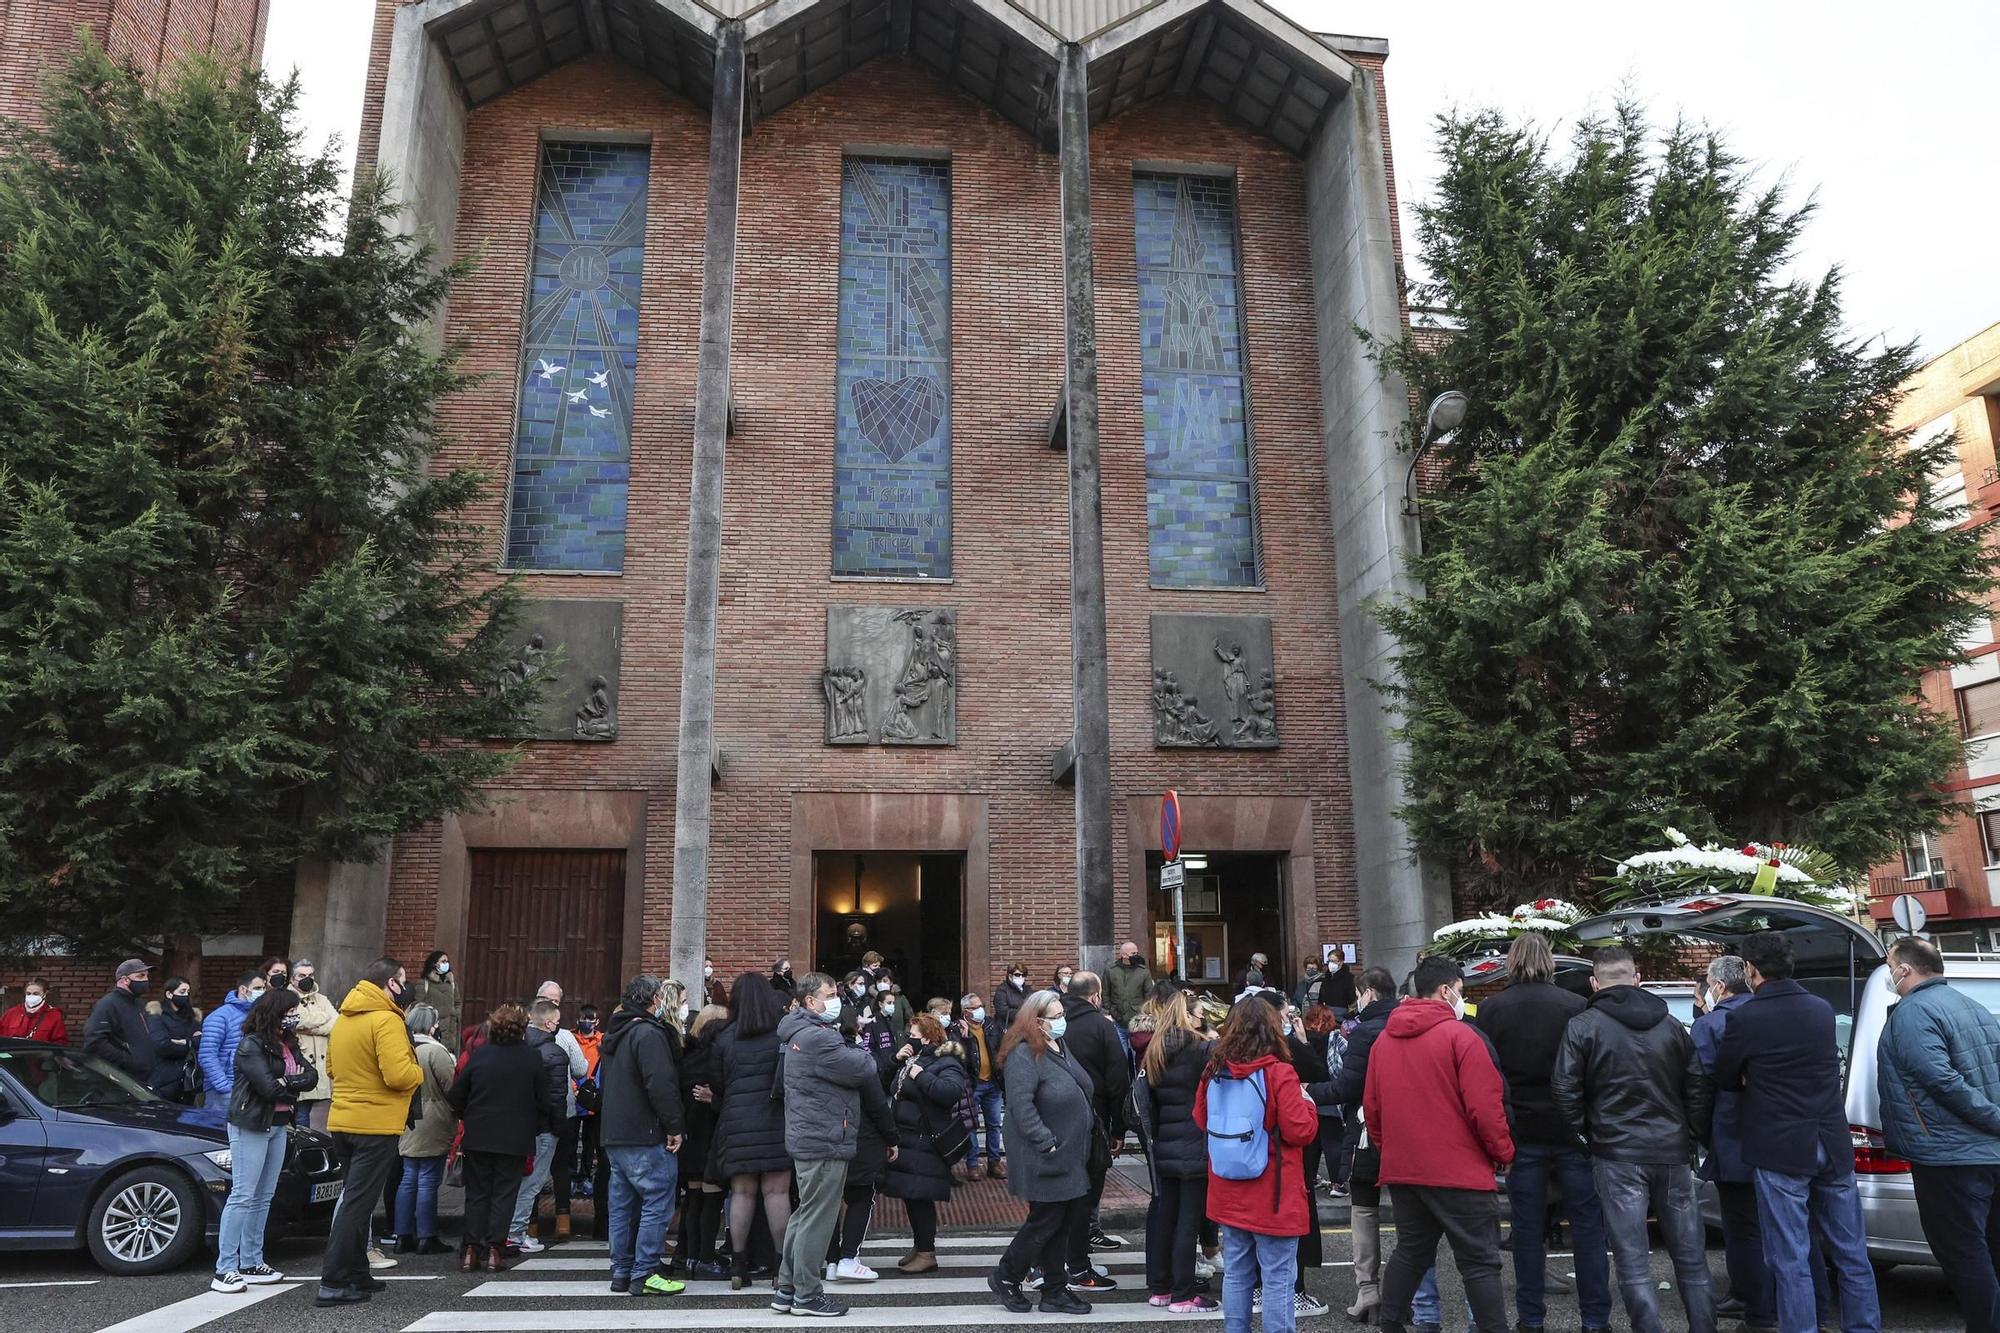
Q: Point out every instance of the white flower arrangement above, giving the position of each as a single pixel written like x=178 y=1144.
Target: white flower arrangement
x=1684 y=856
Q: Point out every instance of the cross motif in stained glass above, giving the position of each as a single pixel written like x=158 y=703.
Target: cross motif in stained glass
x=579 y=360
x=892 y=451
x=1199 y=497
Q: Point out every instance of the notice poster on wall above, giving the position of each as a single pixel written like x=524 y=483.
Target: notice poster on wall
x=1335 y=955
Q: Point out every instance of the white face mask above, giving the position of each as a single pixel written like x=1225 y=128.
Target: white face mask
x=444 y=969
x=683 y=1011
x=1458 y=1005
x=882 y=986
x=978 y=1015
x=707 y=972
x=1016 y=981
x=35 y=1002
x=1288 y=1027
x=832 y=1010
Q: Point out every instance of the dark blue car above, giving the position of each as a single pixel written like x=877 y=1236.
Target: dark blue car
x=88 y=1157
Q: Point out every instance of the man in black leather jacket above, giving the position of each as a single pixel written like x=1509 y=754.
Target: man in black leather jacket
x=1629 y=1081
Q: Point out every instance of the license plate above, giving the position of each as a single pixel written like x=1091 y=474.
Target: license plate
x=325 y=1191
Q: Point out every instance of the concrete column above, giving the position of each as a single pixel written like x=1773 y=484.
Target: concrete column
x=340 y=911
x=1403 y=897
x=704 y=535
x=1095 y=901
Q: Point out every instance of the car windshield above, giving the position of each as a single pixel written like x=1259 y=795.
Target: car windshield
x=67 y=1080
x=1986 y=990
x=1681 y=1005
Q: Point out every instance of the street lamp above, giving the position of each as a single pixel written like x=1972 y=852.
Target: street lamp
x=1445 y=415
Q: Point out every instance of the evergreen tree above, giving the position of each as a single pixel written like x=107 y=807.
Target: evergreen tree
x=1680 y=569
x=241 y=615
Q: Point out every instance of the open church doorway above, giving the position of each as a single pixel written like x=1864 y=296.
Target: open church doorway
x=1234 y=907
x=907 y=906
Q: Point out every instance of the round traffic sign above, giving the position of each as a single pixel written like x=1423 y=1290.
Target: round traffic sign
x=1909 y=913
x=1170 y=824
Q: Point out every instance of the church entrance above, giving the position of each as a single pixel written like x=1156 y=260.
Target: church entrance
x=1234 y=908
x=907 y=906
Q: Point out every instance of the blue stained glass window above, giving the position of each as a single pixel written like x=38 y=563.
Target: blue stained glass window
x=892 y=450
x=579 y=360
x=1199 y=493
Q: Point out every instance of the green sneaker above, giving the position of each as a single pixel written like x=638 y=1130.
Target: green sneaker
x=656 y=1285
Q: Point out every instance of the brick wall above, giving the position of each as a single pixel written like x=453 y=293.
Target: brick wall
x=38 y=36
x=1010 y=490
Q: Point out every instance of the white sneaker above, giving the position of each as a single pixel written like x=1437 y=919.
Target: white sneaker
x=257 y=1275
x=1203 y=1269
x=528 y=1245
x=230 y=1283
x=1305 y=1305
x=853 y=1270
x=378 y=1260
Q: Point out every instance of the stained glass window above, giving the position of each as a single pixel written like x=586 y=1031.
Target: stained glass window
x=579 y=360
x=1199 y=496
x=892 y=452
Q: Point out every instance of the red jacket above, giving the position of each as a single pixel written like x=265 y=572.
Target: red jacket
x=1293 y=1122
x=1434 y=1103
x=43 y=1025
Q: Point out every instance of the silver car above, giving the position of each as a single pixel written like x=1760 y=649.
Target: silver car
x=1841 y=962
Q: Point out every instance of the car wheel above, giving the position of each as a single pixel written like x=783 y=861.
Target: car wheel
x=146 y=1221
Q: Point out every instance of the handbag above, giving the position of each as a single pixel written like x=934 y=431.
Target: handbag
x=953 y=1142
x=589 y=1097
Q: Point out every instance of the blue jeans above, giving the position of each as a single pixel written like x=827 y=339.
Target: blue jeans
x=1528 y=1196
x=1789 y=1209
x=417 y=1197
x=255 y=1159
x=1425 y=1307
x=531 y=1188
x=1251 y=1259
x=643 y=1177
x=1627 y=1191
x=986 y=1095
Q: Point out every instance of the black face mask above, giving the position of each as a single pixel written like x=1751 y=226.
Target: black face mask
x=139 y=987
x=307 y=985
x=182 y=1001
x=276 y=980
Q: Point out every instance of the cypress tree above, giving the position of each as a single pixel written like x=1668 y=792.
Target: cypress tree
x=242 y=613
x=1680 y=568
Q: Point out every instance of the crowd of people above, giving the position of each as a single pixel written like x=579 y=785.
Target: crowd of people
x=750 y=1136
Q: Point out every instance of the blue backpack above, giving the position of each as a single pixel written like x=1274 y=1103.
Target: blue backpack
x=1239 y=1144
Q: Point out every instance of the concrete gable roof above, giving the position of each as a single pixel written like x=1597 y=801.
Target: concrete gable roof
x=1242 y=54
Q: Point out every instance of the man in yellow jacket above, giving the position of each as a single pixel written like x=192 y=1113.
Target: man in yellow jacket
x=375 y=1074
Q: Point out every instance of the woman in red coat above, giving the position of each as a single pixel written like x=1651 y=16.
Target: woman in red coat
x=1263 y=1216
x=35 y=1019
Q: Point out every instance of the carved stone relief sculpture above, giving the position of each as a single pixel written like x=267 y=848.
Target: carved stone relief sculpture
x=891 y=675
x=572 y=645
x=1204 y=667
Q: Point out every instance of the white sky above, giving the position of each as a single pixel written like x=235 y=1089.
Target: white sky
x=1886 y=112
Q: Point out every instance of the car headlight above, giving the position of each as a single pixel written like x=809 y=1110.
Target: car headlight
x=220 y=1157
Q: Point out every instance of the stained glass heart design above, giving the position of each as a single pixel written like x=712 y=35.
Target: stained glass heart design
x=898 y=416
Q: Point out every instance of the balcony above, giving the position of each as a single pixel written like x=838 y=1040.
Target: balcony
x=1934 y=891
x=1988 y=494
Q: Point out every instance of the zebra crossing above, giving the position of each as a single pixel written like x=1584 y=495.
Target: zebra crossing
x=550 y=1293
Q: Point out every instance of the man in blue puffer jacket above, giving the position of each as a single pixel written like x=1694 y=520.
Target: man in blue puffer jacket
x=1939 y=1078
x=220 y=1033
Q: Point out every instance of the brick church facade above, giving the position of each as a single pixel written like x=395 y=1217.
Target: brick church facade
x=902 y=744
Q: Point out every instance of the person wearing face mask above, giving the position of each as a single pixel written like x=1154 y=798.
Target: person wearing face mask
x=875 y=1026
x=220 y=1033
x=980 y=1035
x=822 y=1094
x=424 y=1145
x=316 y=1015
x=712 y=990
x=116 y=1031
x=1435 y=1110
x=375 y=1074
x=1064 y=975
x=1051 y=1134
x=781 y=978
x=929 y=1086
x=437 y=986
x=644 y=1121
x=544 y=1021
x=174 y=1024
x=1722 y=991
x=34 y=1018
x=582 y=1153
x=1008 y=997
x=270 y=1074
x=890 y=1001
x=1629 y=1081
x=1939 y=1075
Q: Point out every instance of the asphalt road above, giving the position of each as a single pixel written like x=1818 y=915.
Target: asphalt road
x=564 y=1288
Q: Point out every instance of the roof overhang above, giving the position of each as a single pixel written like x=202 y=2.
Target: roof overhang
x=1268 y=72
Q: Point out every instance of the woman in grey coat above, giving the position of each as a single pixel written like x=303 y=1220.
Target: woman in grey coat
x=1048 y=1131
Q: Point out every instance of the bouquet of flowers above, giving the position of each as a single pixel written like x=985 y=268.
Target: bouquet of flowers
x=1682 y=870
x=1549 y=917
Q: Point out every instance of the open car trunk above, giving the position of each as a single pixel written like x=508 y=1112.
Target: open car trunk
x=1834 y=955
